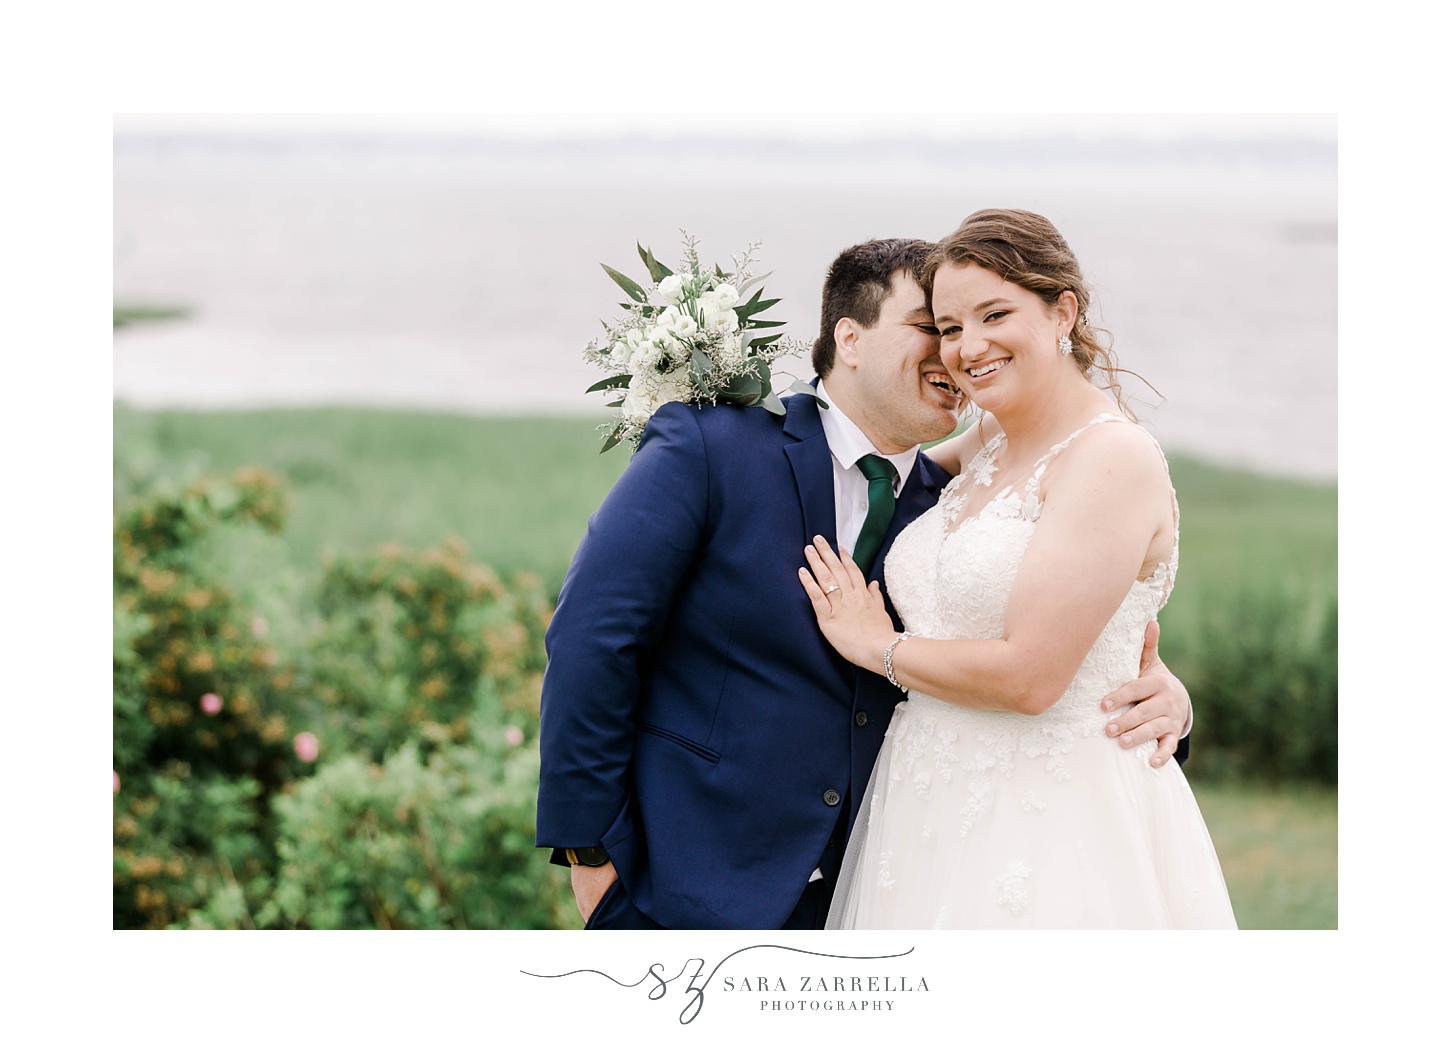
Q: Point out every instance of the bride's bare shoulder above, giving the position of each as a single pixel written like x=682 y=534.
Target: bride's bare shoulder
x=1122 y=455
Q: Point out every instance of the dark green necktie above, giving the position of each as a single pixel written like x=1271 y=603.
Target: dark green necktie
x=880 y=505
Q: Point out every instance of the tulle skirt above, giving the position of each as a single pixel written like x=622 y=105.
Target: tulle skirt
x=978 y=819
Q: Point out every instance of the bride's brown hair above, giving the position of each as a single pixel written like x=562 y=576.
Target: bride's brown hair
x=1026 y=250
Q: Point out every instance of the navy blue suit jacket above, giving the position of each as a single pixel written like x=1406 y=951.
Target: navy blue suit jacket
x=693 y=720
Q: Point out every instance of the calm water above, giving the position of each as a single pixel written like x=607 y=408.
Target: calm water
x=465 y=277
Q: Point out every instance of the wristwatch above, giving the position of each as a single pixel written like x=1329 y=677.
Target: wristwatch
x=586 y=856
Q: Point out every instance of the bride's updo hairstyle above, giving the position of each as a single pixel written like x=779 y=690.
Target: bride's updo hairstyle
x=1026 y=250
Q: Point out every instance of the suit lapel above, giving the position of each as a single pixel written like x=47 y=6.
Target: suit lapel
x=810 y=461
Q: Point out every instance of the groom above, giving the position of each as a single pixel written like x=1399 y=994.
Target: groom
x=702 y=747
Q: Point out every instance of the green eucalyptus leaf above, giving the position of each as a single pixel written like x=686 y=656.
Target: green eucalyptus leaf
x=658 y=272
x=627 y=284
x=801 y=387
x=761 y=342
x=763 y=324
x=618 y=381
x=756 y=306
x=610 y=442
x=773 y=404
x=701 y=367
x=743 y=390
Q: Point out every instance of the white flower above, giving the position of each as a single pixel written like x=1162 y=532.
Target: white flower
x=637 y=406
x=716 y=314
x=672 y=288
x=646 y=357
x=677 y=321
x=727 y=295
x=623 y=347
x=648 y=392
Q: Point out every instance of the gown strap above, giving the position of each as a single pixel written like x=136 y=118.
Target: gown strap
x=1046 y=458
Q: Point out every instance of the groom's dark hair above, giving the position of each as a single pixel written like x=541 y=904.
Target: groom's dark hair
x=857 y=283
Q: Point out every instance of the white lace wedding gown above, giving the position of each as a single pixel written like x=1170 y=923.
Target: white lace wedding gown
x=991 y=819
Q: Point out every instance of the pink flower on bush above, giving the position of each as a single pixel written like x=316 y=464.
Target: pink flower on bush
x=211 y=704
x=513 y=736
x=259 y=626
x=305 y=746
x=115 y=782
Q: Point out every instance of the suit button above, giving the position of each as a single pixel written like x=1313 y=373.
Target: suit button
x=861 y=719
x=830 y=843
x=832 y=798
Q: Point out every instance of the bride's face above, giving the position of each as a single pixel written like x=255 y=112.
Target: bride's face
x=999 y=340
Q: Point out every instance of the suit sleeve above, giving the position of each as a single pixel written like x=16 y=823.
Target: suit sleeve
x=617 y=596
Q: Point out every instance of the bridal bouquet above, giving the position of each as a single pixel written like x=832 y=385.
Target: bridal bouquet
x=702 y=344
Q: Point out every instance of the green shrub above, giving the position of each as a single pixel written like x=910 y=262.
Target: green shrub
x=405 y=639
x=201 y=737
x=189 y=851
x=420 y=683
x=1262 y=670
x=442 y=842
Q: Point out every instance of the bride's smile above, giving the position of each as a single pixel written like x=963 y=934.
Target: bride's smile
x=999 y=339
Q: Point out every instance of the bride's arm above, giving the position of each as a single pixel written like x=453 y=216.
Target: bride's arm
x=953 y=454
x=1105 y=506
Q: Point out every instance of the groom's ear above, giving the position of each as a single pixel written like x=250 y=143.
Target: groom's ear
x=848 y=342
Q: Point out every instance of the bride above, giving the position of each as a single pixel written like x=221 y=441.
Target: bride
x=1024 y=594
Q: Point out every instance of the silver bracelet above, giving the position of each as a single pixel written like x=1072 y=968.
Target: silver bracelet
x=887 y=657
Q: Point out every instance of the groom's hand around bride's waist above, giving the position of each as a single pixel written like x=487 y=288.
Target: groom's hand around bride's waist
x=1158 y=705
x=590 y=884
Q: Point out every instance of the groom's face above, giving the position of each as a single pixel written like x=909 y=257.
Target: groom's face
x=902 y=388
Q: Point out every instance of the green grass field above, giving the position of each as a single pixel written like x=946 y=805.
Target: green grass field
x=519 y=490
x=1279 y=852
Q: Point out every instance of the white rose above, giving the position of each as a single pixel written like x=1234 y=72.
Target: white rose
x=620 y=352
x=637 y=406
x=675 y=387
x=724 y=319
x=727 y=295
x=646 y=357
x=648 y=393
x=672 y=288
x=677 y=321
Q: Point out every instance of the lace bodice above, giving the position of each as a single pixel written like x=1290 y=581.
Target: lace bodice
x=990 y=819
x=951 y=577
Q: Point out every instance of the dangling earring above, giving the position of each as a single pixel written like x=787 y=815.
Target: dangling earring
x=1065 y=345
